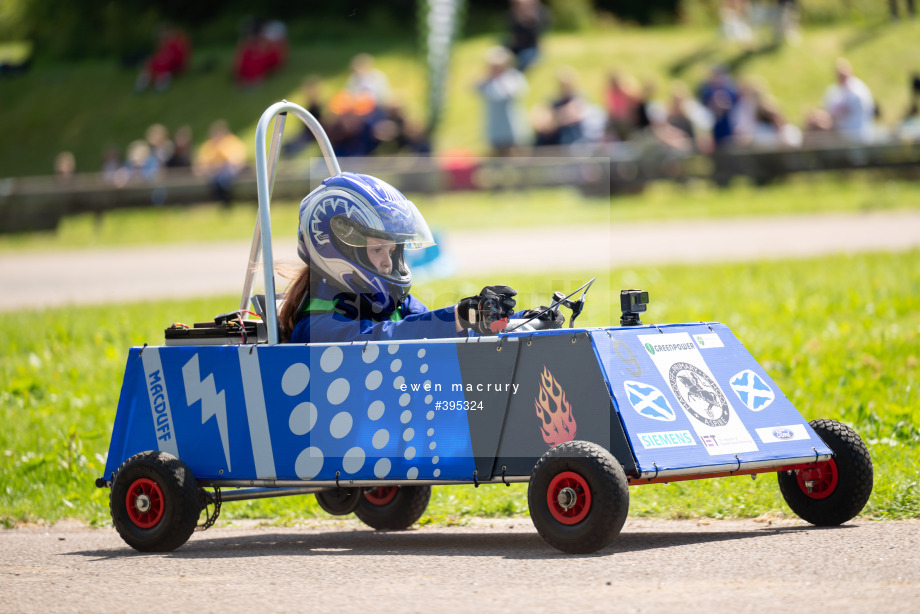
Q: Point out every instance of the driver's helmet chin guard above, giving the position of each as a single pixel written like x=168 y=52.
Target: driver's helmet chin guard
x=336 y=221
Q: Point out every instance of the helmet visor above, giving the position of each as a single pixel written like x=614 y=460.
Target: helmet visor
x=403 y=226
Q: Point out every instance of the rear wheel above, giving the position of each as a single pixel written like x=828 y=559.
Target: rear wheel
x=339 y=501
x=835 y=491
x=578 y=497
x=154 y=502
x=393 y=508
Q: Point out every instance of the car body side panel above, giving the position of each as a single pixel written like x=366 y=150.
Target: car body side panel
x=297 y=412
x=560 y=396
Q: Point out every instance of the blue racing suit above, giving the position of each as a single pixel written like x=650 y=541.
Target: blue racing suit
x=329 y=315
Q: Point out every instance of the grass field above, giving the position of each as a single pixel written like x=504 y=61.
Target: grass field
x=83 y=106
x=839 y=335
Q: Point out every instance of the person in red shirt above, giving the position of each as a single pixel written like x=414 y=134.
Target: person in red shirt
x=170 y=58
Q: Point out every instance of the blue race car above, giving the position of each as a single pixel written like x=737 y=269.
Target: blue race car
x=223 y=412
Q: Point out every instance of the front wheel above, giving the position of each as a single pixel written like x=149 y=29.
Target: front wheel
x=154 y=502
x=578 y=497
x=393 y=508
x=835 y=491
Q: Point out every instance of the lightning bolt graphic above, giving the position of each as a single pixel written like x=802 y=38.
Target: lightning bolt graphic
x=213 y=404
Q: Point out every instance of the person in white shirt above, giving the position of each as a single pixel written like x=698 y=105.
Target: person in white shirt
x=850 y=105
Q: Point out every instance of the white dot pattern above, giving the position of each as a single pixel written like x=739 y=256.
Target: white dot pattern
x=331 y=359
x=354 y=460
x=295 y=379
x=303 y=418
x=341 y=425
x=375 y=410
x=338 y=391
x=373 y=380
x=328 y=393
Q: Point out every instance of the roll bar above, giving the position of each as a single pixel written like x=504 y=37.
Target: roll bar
x=266 y=166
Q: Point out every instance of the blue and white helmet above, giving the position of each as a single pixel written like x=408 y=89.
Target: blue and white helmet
x=336 y=220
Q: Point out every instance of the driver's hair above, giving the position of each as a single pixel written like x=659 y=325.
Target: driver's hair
x=295 y=293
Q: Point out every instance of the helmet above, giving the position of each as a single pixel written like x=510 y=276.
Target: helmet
x=336 y=221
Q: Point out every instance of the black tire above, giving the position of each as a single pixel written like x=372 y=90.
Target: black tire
x=395 y=511
x=843 y=484
x=340 y=501
x=154 y=502
x=601 y=497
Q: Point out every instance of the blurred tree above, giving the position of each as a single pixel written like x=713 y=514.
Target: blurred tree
x=74 y=29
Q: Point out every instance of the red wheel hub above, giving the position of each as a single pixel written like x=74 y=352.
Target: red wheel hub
x=568 y=498
x=820 y=481
x=381 y=495
x=145 y=503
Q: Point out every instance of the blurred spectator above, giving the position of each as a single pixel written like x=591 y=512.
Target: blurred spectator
x=817 y=127
x=528 y=19
x=502 y=90
x=111 y=162
x=65 y=165
x=893 y=6
x=758 y=120
x=170 y=58
x=312 y=95
x=786 y=22
x=909 y=128
x=367 y=80
x=719 y=95
x=653 y=128
x=686 y=114
x=275 y=33
x=350 y=123
x=161 y=148
x=850 y=105
x=564 y=125
x=220 y=159
x=181 y=156
x=140 y=164
x=735 y=15
x=622 y=101
x=648 y=110
x=262 y=50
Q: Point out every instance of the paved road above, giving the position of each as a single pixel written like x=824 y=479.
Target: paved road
x=123 y=274
x=500 y=565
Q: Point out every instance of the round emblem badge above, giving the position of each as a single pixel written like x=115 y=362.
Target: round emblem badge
x=699 y=394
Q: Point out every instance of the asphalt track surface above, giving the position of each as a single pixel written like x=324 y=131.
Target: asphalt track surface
x=490 y=566
x=96 y=276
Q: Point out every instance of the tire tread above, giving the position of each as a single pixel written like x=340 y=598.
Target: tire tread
x=610 y=497
x=182 y=499
x=855 y=478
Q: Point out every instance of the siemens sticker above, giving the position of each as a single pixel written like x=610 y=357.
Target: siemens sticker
x=669 y=439
x=159 y=401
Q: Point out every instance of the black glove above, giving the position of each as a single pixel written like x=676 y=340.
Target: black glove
x=488 y=312
x=551 y=319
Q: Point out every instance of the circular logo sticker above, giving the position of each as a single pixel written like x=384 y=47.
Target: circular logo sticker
x=699 y=394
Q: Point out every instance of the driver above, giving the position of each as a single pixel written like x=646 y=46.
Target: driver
x=354 y=231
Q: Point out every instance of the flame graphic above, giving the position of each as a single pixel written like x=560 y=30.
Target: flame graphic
x=557 y=425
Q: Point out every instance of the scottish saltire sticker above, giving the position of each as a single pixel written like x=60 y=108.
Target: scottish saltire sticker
x=715 y=421
x=752 y=390
x=648 y=401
